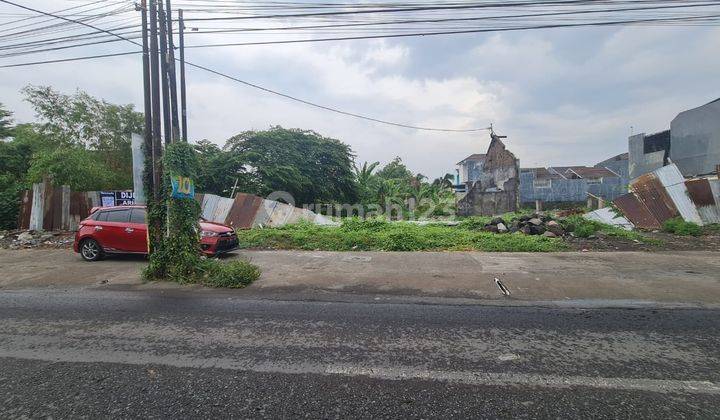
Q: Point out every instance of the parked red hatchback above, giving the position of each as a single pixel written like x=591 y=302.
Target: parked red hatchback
x=123 y=230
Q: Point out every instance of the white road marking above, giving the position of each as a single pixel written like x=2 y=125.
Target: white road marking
x=74 y=355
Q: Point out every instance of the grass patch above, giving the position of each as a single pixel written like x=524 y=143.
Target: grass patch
x=379 y=235
x=678 y=226
x=584 y=228
x=232 y=274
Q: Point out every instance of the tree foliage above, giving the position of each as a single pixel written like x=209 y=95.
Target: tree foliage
x=6 y=122
x=309 y=166
x=80 y=120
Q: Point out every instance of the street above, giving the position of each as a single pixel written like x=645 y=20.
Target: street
x=76 y=352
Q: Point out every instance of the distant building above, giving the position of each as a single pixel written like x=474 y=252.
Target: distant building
x=648 y=152
x=692 y=143
x=471 y=167
x=559 y=184
x=695 y=140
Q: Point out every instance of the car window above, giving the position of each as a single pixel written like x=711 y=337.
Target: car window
x=138 y=216
x=102 y=216
x=118 y=216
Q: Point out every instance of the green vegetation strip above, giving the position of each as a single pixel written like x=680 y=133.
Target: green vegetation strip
x=379 y=235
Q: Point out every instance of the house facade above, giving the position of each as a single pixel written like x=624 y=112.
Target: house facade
x=570 y=184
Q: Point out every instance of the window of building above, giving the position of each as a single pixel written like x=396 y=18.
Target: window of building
x=542 y=183
x=593 y=181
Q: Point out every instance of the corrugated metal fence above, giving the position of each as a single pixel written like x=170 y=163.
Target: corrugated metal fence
x=664 y=194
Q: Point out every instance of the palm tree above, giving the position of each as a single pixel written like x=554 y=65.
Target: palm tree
x=446 y=182
x=363 y=175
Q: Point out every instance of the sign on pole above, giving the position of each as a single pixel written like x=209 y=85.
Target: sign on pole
x=182 y=187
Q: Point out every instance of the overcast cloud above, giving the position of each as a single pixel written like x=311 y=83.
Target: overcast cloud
x=564 y=96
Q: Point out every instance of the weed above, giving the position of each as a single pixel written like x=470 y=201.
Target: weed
x=678 y=226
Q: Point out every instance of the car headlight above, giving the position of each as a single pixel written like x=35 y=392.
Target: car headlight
x=208 y=234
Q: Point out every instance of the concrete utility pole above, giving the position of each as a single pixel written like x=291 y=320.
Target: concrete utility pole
x=172 y=75
x=167 y=123
x=155 y=98
x=147 y=135
x=183 y=93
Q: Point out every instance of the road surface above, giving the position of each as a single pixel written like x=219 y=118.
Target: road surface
x=178 y=353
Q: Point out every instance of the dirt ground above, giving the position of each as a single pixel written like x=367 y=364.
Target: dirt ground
x=661 y=241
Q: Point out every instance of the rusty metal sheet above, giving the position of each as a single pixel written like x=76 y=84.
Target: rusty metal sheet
x=636 y=212
x=704 y=194
x=650 y=191
x=700 y=192
x=243 y=211
x=674 y=183
x=80 y=206
x=25 y=209
x=52 y=219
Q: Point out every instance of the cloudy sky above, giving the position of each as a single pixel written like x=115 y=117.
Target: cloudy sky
x=562 y=96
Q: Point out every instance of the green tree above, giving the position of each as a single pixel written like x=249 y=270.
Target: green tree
x=15 y=158
x=396 y=169
x=6 y=121
x=218 y=170
x=311 y=167
x=82 y=120
x=72 y=165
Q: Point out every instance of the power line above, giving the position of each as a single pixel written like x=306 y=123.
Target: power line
x=327 y=108
x=65 y=60
x=456 y=32
x=263 y=88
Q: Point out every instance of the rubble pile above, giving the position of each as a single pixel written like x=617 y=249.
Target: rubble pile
x=535 y=224
x=35 y=239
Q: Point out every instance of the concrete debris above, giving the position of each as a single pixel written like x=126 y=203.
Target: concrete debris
x=36 y=239
x=535 y=224
x=607 y=215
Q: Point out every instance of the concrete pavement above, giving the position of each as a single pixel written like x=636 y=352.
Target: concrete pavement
x=663 y=277
x=169 y=353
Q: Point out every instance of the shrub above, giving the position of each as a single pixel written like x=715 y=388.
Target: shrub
x=233 y=274
x=678 y=226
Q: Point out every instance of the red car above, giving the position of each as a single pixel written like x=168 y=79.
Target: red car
x=123 y=230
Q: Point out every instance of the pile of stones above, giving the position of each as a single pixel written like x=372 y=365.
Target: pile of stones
x=35 y=239
x=535 y=224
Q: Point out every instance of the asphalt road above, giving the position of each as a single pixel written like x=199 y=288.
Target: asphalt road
x=115 y=353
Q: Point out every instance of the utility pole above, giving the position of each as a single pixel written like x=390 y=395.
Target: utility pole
x=155 y=98
x=148 y=135
x=183 y=93
x=172 y=74
x=167 y=123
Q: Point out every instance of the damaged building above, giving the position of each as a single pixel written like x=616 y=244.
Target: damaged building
x=492 y=181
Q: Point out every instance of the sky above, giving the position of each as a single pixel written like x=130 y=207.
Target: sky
x=562 y=96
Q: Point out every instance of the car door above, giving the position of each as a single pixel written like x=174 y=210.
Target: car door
x=137 y=237
x=110 y=230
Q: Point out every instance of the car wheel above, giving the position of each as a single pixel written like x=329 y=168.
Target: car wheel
x=90 y=250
